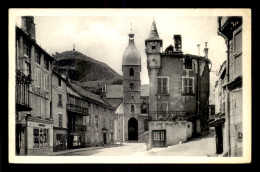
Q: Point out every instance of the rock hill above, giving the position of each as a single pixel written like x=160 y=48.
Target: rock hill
x=85 y=71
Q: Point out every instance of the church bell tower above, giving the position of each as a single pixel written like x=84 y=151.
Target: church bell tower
x=131 y=66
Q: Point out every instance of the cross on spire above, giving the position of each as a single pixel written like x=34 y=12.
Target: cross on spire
x=131 y=27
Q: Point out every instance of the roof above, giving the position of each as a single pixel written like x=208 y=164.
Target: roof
x=120 y=109
x=114 y=91
x=154 y=33
x=131 y=55
x=145 y=90
x=33 y=42
x=89 y=95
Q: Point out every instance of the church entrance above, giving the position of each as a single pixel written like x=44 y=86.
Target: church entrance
x=132 y=129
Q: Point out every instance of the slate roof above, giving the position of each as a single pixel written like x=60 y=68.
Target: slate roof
x=89 y=95
x=114 y=91
x=120 y=109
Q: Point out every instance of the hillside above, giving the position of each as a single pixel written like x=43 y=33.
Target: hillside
x=85 y=71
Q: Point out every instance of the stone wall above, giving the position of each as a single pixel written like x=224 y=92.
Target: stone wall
x=175 y=131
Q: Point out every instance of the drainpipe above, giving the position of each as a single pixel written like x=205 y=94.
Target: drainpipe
x=227 y=91
x=198 y=96
x=228 y=107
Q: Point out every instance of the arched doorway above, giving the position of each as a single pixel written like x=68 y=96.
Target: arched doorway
x=132 y=129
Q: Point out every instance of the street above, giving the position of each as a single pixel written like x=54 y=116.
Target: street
x=197 y=147
x=127 y=149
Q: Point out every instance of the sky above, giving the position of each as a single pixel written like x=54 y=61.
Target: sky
x=105 y=38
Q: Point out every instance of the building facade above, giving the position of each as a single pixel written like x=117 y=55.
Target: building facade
x=59 y=111
x=178 y=91
x=132 y=119
x=218 y=119
x=230 y=28
x=36 y=63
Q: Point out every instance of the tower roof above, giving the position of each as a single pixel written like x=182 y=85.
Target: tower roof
x=154 y=33
x=131 y=55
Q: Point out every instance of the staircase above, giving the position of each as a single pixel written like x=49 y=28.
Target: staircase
x=143 y=137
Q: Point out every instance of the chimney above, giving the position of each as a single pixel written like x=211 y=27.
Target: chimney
x=28 y=26
x=206 y=50
x=177 y=43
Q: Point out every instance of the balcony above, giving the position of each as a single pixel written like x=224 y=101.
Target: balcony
x=167 y=115
x=77 y=109
x=22 y=91
x=74 y=127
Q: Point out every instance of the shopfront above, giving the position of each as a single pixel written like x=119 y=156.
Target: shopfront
x=60 y=139
x=39 y=137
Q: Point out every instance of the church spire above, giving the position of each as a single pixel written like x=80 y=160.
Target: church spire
x=154 y=33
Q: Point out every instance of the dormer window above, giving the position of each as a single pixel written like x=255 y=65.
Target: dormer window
x=131 y=72
x=188 y=63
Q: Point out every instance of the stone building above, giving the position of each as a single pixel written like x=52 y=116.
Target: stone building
x=218 y=119
x=35 y=64
x=90 y=118
x=178 y=91
x=230 y=28
x=59 y=112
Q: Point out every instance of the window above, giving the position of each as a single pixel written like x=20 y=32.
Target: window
x=132 y=86
x=132 y=108
x=59 y=81
x=162 y=107
x=105 y=109
x=146 y=126
x=40 y=137
x=60 y=100
x=238 y=42
x=188 y=63
x=132 y=97
x=144 y=108
x=46 y=82
x=87 y=119
x=46 y=63
x=38 y=78
x=26 y=49
x=96 y=121
x=238 y=65
x=131 y=72
x=163 y=85
x=37 y=57
x=60 y=120
x=187 y=86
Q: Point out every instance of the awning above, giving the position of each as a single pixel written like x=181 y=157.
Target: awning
x=217 y=122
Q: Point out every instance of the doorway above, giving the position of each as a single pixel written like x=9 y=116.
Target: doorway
x=105 y=138
x=132 y=129
x=219 y=139
x=159 y=138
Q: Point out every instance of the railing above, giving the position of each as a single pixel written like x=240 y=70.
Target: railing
x=22 y=88
x=76 y=108
x=74 y=127
x=167 y=115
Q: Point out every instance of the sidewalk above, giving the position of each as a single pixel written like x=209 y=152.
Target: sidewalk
x=75 y=150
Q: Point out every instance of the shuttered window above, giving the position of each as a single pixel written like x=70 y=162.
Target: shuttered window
x=60 y=120
x=187 y=85
x=162 y=107
x=163 y=85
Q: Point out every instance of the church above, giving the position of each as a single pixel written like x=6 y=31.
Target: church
x=173 y=107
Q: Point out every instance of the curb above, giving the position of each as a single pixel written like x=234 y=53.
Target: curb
x=73 y=150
